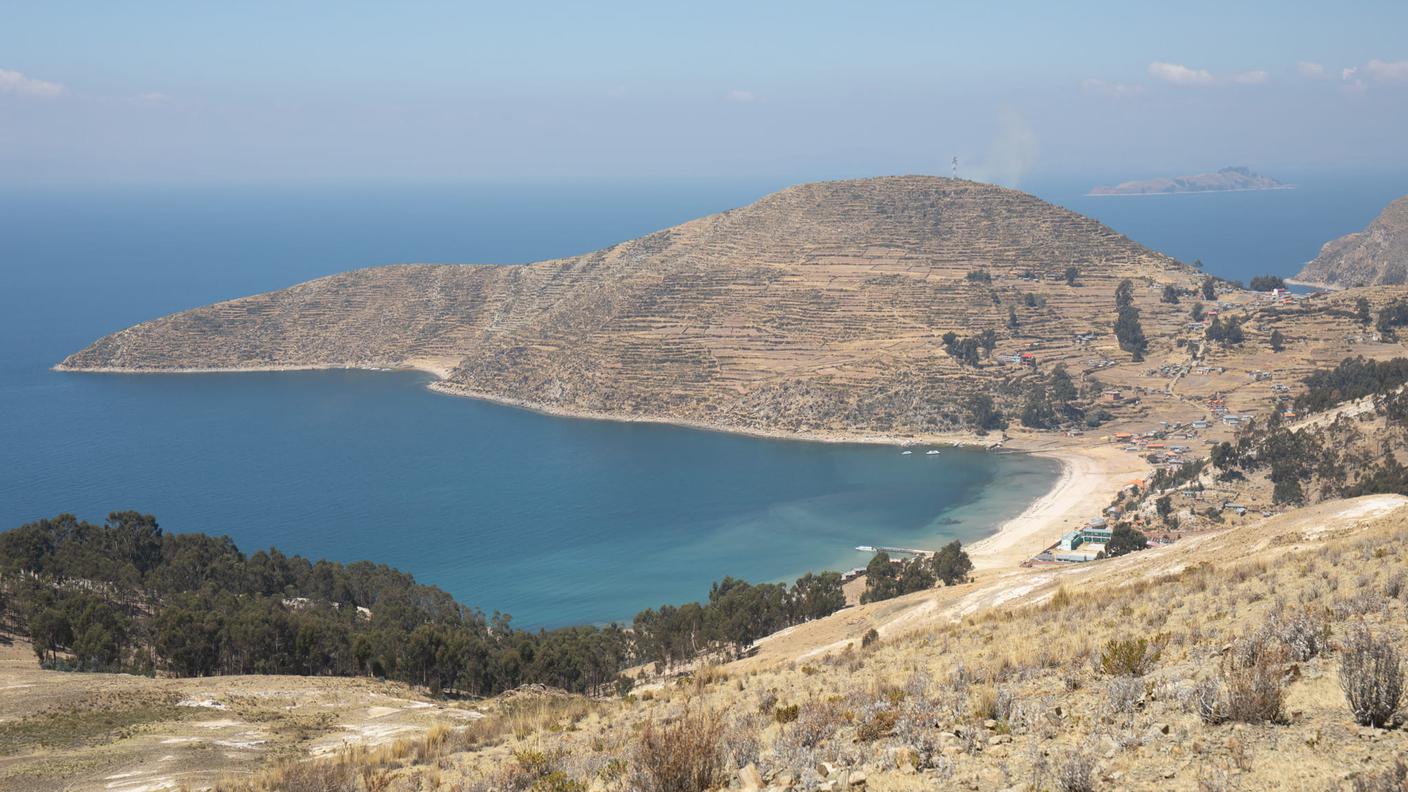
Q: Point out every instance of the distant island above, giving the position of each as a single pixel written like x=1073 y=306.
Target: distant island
x=1233 y=179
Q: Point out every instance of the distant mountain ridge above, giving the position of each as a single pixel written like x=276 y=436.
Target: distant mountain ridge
x=1229 y=179
x=1376 y=256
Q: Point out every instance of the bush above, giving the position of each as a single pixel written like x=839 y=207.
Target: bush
x=1371 y=676
x=786 y=714
x=871 y=637
x=1246 y=690
x=1077 y=773
x=685 y=755
x=1256 y=693
x=1132 y=656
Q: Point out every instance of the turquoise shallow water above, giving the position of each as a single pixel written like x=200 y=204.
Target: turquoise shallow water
x=553 y=520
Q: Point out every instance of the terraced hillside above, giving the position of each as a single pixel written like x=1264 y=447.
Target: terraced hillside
x=820 y=307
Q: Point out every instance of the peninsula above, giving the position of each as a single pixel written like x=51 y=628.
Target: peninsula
x=1231 y=179
x=1378 y=255
x=822 y=308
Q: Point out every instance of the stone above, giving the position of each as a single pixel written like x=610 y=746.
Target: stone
x=751 y=779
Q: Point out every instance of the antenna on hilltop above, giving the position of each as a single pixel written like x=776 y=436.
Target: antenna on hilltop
x=955 y=167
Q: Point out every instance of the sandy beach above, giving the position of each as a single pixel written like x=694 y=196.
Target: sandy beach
x=1090 y=477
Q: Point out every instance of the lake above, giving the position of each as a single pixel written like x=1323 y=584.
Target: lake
x=553 y=520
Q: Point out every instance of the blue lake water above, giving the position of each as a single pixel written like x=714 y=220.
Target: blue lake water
x=553 y=520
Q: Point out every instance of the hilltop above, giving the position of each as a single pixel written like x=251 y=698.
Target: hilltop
x=1375 y=256
x=1231 y=179
x=818 y=308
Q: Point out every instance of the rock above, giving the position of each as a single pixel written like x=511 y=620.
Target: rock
x=751 y=779
x=857 y=779
x=989 y=724
x=825 y=769
x=906 y=759
x=784 y=780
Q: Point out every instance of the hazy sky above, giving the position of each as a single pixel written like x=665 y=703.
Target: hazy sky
x=374 y=91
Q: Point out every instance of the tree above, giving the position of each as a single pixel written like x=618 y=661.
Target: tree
x=1130 y=333
x=1164 y=506
x=1267 y=283
x=1278 y=341
x=1012 y=317
x=1197 y=312
x=1124 y=294
x=1170 y=294
x=1361 y=307
x=1072 y=274
x=1037 y=412
x=951 y=564
x=1209 y=289
x=1063 y=389
x=983 y=414
x=1124 y=539
x=988 y=341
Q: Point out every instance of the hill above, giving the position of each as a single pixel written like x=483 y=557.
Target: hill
x=1231 y=179
x=822 y=307
x=1375 y=256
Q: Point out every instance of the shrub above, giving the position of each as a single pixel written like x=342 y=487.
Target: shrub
x=1077 y=773
x=786 y=714
x=1303 y=635
x=685 y=755
x=876 y=721
x=1250 y=691
x=1256 y=692
x=1123 y=694
x=1131 y=656
x=871 y=637
x=1371 y=675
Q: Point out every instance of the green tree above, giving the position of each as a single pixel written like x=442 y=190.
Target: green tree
x=1130 y=333
x=1124 y=539
x=1209 y=289
x=1197 y=312
x=1012 y=317
x=1267 y=283
x=951 y=564
x=1037 y=412
x=984 y=414
x=1361 y=307
x=1124 y=294
x=1278 y=341
x=1170 y=294
x=1072 y=273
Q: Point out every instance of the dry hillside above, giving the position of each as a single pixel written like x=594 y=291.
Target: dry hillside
x=1376 y=255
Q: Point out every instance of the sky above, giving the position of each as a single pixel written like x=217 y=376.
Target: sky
x=347 y=91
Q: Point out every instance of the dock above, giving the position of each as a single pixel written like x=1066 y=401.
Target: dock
x=892 y=550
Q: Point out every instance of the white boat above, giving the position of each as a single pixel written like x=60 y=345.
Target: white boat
x=904 y=453
x=930 y=452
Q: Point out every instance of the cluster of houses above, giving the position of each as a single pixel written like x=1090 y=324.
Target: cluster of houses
x=1160 y=445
